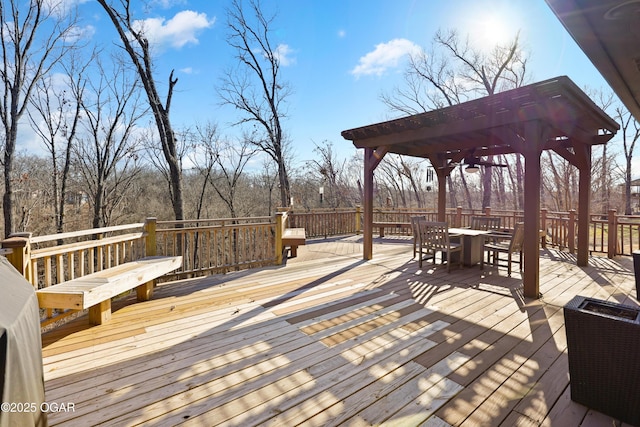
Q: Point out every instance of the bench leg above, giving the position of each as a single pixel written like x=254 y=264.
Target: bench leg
x=100 y=313
x=294 y=251
x=144 y=292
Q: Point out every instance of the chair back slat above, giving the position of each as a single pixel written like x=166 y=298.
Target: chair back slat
x=486 y=223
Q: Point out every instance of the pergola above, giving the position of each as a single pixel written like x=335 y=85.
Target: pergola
x=550 y=115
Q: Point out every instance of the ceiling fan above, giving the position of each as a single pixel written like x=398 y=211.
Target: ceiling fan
x=473 y=164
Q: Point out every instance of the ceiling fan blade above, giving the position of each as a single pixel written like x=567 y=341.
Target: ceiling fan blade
x=485 y=163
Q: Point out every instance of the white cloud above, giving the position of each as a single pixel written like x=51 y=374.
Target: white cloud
x=384 y=56
x=76 y=33
x=187 y=70
x=178 y=31
x=342 y=33
x=283 y=54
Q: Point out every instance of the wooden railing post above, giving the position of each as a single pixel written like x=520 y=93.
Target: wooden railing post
x=458 y=222
x=358 y=219
x=144 y=292
x=543 y=227
x=280 y=224
x=20 y=257
x=571 y=232
x=151 y=245
x=487 y=211
x=612 y=232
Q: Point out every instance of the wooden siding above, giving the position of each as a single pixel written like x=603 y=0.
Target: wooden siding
x=330 y=339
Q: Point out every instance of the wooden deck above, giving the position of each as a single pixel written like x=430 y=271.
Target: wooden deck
x=330 y=339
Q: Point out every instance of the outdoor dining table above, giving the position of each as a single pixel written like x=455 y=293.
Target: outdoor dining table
x=473 y=244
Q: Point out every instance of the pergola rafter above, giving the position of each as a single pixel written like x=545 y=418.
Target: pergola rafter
x=550 y=115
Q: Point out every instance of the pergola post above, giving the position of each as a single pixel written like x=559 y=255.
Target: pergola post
x=534 y=139
x=442 y=195
x=584 y=200
x=372 y=158
x=367 y=215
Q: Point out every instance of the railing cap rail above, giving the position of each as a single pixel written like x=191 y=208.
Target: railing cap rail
x=204 y=220
x=70 y=247
x=81 y=233
x=213 y=227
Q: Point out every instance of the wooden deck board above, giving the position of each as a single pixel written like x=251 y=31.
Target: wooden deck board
x=331 y=340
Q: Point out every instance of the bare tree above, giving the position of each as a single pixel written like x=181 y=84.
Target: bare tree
x=256 y=87
x=107 y=155
x=229 y=160
x=604 y=174
x=221 y=163
x=30 y=193
x=55 y=116
x=136 y=44
x=392 y=177
x=503 y=68
x=454 y=71
x=267 y=179
x=203 y=164
x=35 y=35
x=559 y=182
x=329 y=171
x=630 y=134
x=465 y=187
x=429 y=83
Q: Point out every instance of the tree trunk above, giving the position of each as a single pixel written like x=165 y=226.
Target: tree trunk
x=465 y=187
x=142 y=60
x=285 y=187
x=486 y=184
x=7 y=199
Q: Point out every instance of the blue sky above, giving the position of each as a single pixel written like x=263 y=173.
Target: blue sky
x=339 y=55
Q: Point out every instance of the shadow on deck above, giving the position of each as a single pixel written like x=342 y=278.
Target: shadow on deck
x=330 y=339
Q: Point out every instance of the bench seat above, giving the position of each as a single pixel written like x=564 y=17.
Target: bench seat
x=94 y=291
x=294 y=237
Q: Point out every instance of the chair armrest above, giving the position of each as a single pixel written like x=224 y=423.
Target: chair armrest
x=498 y=234
x=496 y=237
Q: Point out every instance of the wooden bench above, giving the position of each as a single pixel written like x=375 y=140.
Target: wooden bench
x=294 y=237
x=94 y=291
x=287 y=237
x=383 y=225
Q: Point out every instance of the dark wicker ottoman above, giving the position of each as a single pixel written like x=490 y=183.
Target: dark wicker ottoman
x=603 y=341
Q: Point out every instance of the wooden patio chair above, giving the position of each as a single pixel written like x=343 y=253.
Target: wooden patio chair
x=416 y=234
x=508 y=246
x=486 y=223
x=434 y=237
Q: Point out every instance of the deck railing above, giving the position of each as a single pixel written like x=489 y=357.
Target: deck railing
x=217 y=245
x=327 y=222
x=611 y=234
x=221 y=245
x=206 y=246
